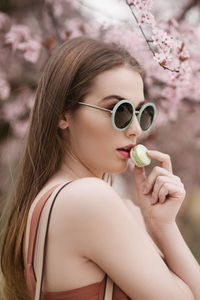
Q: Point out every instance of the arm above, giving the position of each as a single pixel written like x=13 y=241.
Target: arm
x=178 y=256
x=103 y=230
x=160 y=196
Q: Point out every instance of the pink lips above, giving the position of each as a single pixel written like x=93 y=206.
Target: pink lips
x=125 y=151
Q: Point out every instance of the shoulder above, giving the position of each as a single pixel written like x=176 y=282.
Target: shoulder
x=87 y=189
x=87 y=183
x=86 y=199
x=87 y=196
x=85 y=209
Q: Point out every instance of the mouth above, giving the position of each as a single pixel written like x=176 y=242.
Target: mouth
x=125 y=151
x=126 y=148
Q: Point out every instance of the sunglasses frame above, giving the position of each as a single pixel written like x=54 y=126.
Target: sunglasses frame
x=138 y=113
x=143 y=107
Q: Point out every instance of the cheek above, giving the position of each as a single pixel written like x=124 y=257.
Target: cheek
x=94 y=142
x=92 y=130
x=93 y=121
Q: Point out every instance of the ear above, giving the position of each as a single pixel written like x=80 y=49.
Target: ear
x=63 y=122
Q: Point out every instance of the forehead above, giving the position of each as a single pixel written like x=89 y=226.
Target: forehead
x=122 y=81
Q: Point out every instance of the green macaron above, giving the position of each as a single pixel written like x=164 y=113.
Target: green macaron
x=139 y=156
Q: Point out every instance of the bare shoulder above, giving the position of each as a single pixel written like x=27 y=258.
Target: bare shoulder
x=102 y=228
x=89 y=183
x=86 y=191
x=82 y=199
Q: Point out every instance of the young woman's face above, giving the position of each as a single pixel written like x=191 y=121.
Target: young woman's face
x=93 y=140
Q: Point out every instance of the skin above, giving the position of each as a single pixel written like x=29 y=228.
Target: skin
x=91 y=144
x=87 y=157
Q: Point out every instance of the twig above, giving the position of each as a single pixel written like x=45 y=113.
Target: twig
x=140 y=27
x=146 y=39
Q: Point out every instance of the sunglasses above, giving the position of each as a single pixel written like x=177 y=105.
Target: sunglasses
x=123 y=113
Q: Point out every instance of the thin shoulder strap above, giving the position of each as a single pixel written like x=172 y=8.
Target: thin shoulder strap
x=35 y=222
x=109 y=289
x=42 y=248
x=43 y=239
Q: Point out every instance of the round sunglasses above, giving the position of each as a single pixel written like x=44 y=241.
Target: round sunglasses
x=123 y=113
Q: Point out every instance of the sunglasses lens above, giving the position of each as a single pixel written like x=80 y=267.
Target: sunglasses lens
x=146 y=118
x=123 y=115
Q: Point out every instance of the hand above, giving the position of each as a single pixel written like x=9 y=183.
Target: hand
x=161 y=193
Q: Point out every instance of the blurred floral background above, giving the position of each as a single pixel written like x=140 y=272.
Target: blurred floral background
x=163 y=35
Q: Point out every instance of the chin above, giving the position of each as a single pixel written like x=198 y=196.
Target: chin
x=118 y=169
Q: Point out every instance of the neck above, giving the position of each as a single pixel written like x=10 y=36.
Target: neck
x=73 y=168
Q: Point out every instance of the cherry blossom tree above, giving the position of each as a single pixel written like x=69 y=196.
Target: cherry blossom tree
x=171 y=76
x=165 y=38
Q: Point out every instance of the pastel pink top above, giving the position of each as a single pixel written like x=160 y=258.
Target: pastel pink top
x=95 y=291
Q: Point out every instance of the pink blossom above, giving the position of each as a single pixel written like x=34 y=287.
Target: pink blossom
x=13 y=110
x=141 y=4
x=4 y=89
x=162 y=58
x=31 y=50
x=20 y=39
x=147 y=18
x=162 y=40
x=17 y=35
x=19 y=106
x=58 y=8
x=20 y=127
x=74 y=27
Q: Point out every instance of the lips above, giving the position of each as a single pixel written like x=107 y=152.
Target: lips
x=126 y=148
x=125 y=151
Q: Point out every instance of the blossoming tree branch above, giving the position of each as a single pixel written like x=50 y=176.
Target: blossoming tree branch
x=168 y=50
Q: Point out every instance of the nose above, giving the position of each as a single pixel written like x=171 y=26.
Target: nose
x=134 y=128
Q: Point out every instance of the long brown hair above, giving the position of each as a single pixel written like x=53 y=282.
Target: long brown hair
x=68 y=74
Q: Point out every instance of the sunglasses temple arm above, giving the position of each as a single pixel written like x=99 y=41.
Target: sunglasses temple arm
x=101 y=108
x=93 y=106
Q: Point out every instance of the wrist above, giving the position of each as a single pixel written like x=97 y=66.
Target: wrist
x=160 y=230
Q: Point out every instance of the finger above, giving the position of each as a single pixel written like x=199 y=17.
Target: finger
x=155 y=173
x=139 y=177
x=170 y=191
x=163 y=158
x=163 y=193
x=161 y=180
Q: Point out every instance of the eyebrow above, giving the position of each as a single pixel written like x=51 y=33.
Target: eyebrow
x=120 y=98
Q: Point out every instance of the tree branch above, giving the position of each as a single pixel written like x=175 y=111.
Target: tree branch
x=146 y=39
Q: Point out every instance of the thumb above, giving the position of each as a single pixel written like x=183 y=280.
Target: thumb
x=139 y=177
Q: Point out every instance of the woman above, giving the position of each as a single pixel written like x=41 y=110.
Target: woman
x=75 y=138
